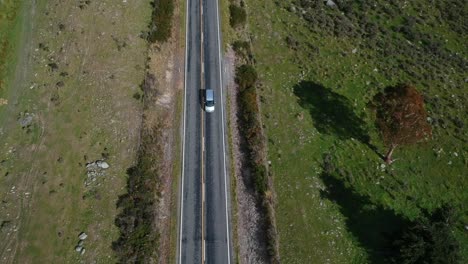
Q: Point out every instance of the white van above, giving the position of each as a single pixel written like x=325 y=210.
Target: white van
x=209 y=100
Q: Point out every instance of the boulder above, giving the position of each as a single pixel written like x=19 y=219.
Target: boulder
x=82 y=236
x=78 y=248
x=26 y=120
x=102 y=164
x=330 y=3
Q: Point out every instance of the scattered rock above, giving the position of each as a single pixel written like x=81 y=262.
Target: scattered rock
x=83 y=251
x=82 y=236
x=102 y=164
x=300 y=116
x=95 y=169
x=5 y=225
x=80 y=243
x=26 y=119
x=354 y=51
x=53 y=66
x=330 y=3
x=78 y=248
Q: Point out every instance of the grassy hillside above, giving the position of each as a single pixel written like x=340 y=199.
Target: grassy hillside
x=320 y=66
x=69 y=104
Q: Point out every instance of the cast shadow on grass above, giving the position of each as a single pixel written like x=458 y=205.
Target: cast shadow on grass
x=332 y=113
x=372 y=225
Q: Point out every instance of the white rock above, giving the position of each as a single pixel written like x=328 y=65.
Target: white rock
x=102 y=164
x=78 y=248
x=82 y=236
x=330 y=3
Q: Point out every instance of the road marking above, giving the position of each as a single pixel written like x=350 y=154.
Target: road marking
x=204 y=252
x=183 y=133
x=203 y=185
x=202 y=80
x=224 y=142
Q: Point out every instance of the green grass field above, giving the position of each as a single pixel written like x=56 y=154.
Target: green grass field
x=319 y=68
x=10 y=22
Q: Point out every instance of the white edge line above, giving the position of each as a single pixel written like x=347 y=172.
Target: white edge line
x=183 y=134
x=224 y=141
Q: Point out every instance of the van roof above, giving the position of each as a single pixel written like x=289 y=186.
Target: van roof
x=209 y=95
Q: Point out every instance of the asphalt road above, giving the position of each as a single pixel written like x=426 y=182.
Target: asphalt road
x=190 y=224
x=204 y=233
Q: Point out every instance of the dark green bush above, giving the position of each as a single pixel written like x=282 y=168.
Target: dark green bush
x=429 y=239
x=238 y=16
x=260 y=179
x=246 y=76
x=161 y=21
x=138 y=238
x=137 y=95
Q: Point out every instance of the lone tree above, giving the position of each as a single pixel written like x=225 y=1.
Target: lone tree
x=401 y=117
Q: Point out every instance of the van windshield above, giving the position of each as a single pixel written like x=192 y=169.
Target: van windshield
x=210 y=103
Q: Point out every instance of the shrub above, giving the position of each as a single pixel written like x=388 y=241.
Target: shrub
x=136 y=221
x=137 y=95
x=161 y=21
x=246 y=76
x=238 y=16
x=242 y=48
x=429 y=239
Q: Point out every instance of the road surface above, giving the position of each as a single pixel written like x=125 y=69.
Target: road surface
x=204 y=232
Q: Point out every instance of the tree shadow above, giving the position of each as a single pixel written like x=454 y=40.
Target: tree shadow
x=332 y=113
x=373 y=226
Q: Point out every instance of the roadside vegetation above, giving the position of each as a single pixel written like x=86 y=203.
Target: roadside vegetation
x=136 y=221
x=238 y=16
x=250 y=128
x=326 y=71
x=146 y=209
x=161 y=21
